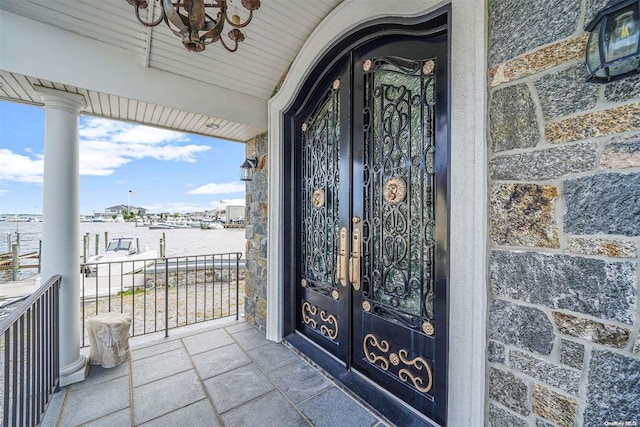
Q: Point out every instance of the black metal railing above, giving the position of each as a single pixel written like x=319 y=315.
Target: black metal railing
x=29 y=343
x=164 y=293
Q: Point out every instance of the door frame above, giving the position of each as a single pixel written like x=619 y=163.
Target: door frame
x=372 y=37
x=468 y=211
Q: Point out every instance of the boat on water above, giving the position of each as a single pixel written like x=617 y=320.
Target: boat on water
x=122 y=256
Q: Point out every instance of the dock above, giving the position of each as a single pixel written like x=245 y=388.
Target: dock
x=6 y=260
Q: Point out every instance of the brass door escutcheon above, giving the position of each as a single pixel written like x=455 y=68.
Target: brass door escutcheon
x=354 y=261
x=342 y=258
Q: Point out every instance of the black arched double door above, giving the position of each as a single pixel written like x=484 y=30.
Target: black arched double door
x=368 y=209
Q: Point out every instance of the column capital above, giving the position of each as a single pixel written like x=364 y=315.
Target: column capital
x=58 y=99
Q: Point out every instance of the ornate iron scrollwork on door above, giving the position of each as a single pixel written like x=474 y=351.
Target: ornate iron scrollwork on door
x=399 y=196
x=415 y=371
x=328 y=322
x=320 y=187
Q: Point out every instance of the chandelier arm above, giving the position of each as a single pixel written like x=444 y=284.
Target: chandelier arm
x=149 y=24
x=227 y=47
x=244 y=24
x=172 y=15
x=176 y=33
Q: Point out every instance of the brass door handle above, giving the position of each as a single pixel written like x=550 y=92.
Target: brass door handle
x=354 y=260
x=341 y=267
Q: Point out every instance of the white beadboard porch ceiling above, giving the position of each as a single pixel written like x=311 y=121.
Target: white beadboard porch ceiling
x=227 y=89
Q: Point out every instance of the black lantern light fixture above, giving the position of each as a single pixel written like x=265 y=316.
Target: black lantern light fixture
x=189 y=20
x=247 y=168
x=613 y=49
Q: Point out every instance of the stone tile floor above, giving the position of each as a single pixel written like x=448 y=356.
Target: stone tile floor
x=222 y=373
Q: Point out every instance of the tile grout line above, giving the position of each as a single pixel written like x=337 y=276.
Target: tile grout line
x=64 y=403
x=269 y=378
x=206 y=392
x=338 y=385
x=131 y=402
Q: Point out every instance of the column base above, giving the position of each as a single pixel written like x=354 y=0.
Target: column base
x=74 y=372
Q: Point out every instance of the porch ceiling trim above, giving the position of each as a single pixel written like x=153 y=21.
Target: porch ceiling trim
x=34 y=49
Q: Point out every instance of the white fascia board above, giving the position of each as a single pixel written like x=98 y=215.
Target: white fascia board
x=38 y=50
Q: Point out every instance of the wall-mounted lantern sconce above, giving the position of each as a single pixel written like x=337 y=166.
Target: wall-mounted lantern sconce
x=247 y=168
x=613 y=49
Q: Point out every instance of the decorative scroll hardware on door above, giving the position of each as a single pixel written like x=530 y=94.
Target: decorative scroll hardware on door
x=342 y=257
x=318 y=198
x=328 y=322
x=428 y=67
x=354 y=261
x=395 y=190
x=419 y=365
x=427 y=328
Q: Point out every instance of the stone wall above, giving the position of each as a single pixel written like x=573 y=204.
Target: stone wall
x=256 y=234
x=564 y=227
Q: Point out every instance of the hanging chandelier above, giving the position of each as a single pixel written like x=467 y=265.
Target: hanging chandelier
x=189 y=20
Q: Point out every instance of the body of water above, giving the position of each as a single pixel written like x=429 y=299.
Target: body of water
x=179 y=242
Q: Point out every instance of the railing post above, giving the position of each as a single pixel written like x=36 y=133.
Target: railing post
x=237 y=286
x=166 y=298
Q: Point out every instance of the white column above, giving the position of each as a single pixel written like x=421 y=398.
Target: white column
x=61 y=223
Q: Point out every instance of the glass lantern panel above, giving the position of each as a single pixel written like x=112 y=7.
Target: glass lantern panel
x=593 y=50
x=622 y=32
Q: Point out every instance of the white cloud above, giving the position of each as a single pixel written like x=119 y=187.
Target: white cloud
x=106 y=145
x=16 y=167
x=223 y=188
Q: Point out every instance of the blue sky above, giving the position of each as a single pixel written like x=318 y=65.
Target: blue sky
x=168 y=171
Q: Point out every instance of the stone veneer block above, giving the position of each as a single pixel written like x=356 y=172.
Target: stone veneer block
x=544 y=164
x=547 y=372
x=622 y=152
x=525 y=327
x=509 y=391
x=591 y=286
x=615 y=120
x=512 y=119
x=636 y=346
x=540 y=423
x=499 y=417
x=604 y=203
x=566 y=92
x=522 y=25
x=539 y=60
x=593 y=6
x=606 y=247
x=622 y=90
x=553 y=406
x=613 y=390
x=522 y=215
x=597 y=332
x=572 y=354
x=496 y=352
x=256 y=202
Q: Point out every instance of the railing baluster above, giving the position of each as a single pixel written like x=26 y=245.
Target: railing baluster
x=166 y=298
x=237 y=286
x=25 y=339
x=7 y=378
